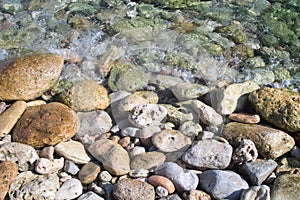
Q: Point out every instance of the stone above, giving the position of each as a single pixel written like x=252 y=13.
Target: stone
x=71 y=167
x=286 y=186
x=148 y=160
x=34 y=186
x=157 y=180
x=256 y=192
x=47 y=152
x=26 y=78
x=177 y=116
x=139 y=173
x=161 y=191
x=126 y=189
x=136 y=151
x=244 y=118
x=186 y=91
x=45 y=125
x=129 y=102
x=149 y=131
x=71 y=189
x=88 y=173
x=72 y=150
x=131 y=131
x=125 y=141
x=150 y=96
x=85 y=96
x=8 y=173
x=208 y=154
x=190 y=129
x=90 y=196
x=105 y=176
x=114 y=158
x=222 y=184
x=21 y=154
x=279 y=107
x=197 y=195
x=164 y=81
x=246 y=152
x=46 y=166
x=36 y=103
x=9 y=118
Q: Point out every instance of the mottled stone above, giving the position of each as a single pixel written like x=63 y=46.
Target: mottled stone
x=71 y=167
x=29 y=77
x=187 y=91
x=158 y=180
x=197 y=195
x=176 y=116
x=45 y=125
x=90 y=196
x=47 y=152
x=244 y=118
x=270 y=143
x=286 y=186
x=105 y=176
x=139 y=173
x=279 y=107
x=190 y=128
x=246 y=152
x=164 y=81
x=256 y=193
x=46 y=166
x=8 y=173
x=150 y=96
x=148 y=160
x=128 y=189
x=71 y=189
x=88 y=173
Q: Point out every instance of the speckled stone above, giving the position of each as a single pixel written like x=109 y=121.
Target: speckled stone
x=186 y=90
x=90 y=196
x=148 y=160
x=29 y=77
x=88 y=173
x=46 y=166
x=46 y=124
x=197 y=195
x=158 y=180
x=71 y=189
x=286 y=186
x=246 y=152
x=8 y=173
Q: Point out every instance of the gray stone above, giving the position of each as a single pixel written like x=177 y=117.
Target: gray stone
x=187 y=91
x=71 y=167
x=256 y=193
x=90 y=196
x=71 y=189
x=149 y=131
x=190 y=128
x=176 y=116
x=47 y=152
x=161 y=191
x=115 y=99
x=259 y=75
x=46 y=166
x=164 y=81
x=208 y=154
x=132 y=80
x=72 y=150
x=286 y=186
x=105 y=176
x=131 y=132
x=222 y=184
x=148 y=160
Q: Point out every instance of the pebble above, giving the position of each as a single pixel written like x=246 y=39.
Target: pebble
x=47 y=152
x=190 y=129
x=129 y=102
x=21 y=154
x=139 y=173
x=245 y=118
x=90 y=196
x=222 y=184
x=208 y=154
x=36 y=103
x=63 y=177
x=136 y=151
x=164 y=81
x=149 y=131
x=71 y=167
x=157 y=180
x=286 y=186
x=72 y=150
x=8 y=173
x=88 y=173
x=177 y=117
x=150 y=96
x=10 y=116
x=256 y=192
x=45 y=125
x=124 y=142
x=105 y=176
x=133 y=188
x=71 y=189
x=114 y=158
x=97 y=189
x=161 y=191
x=196 y=195
x=46 y=166
x=131 y=131
x=148 y=160
x=246 y=152
x=187 y=91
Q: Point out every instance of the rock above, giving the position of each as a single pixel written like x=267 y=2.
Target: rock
x=136 y=151
x=187 y=91
x=184 y=180
x=47 y=152
x=34 y=186
x=222 y=184
x=29 y=77
x=36 y=103
x=46 y=166
x=85 y=96
x=256 y=192
x=161 y=191
x=149 y=131
x=148 y=160
x=90 y=196
x=125 y=141
x=45 y=125
x=105 y=176
x=157 y=180
x=21 y=154
x=270 y=143
x=72 y=150
x=244 y=118
x=133 y=189
x=279 y=107
x=129 y=102
x=286 y=186
x=139 y=173
x=8 y=173
x=208 y=154
x=9 y=118
x=150 y=96
x=164 y=81
x=246 y=152
x=71 y=189
x=71 y=167
x=176 y=116
x=190 y=129
x=197 y=195
x=131 y=131
x=114 y=158
x=89 y=173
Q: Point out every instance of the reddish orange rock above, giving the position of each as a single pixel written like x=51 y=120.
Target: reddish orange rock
x=158 y=180
x=8 y=173
x=244 y=118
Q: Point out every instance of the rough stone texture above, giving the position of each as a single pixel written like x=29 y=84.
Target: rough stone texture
x=244 y=118
x=186 y=90
x=197 y=195
x=114 y=158
x=9 y=118
x=46 y=124
x=256 y=192
x=21 y=154
x=148 y=160
x=270 y=143
x=286 y=186
x=31 y=186
x=46 y=166
x=279 y=107
x=246 y=152
x=190 y=129
x=71 y=189
x=8 y=173
x=85 y=96
x=29 y=77
x=90 y=196
x=88 y=173
x=129 y=102
x=128 y=189
x=222 y=184
x=208 y=154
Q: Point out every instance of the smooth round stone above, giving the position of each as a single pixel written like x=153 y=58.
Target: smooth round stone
x=90 y=196
x=170 y=141
x=222 y=184
x=71 y=167
x=256 y=192
x=46 y=166
x=88 y=173
x=71 y=189
x=286 y=186
x=187 y=91
x=139 y=173
x=135 y=189
x=162 y=181
x=190 y=128
x=105 y=176
x=136 y=151
x=46 y=125
x=125 y=141
x=8 y=173
x=72 y=150
x=28 y=77
x=148 y=160
x=129 y=102
x=21 y=154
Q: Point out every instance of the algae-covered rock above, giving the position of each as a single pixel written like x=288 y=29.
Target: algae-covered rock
x=286 y=186
x=180 y=60
x=258 y=75
x=180 y=4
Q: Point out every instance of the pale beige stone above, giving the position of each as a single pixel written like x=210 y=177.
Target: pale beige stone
x=36 y=103
x=244 y=118
x=74 y=151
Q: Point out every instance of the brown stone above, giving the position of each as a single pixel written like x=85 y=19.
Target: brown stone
x=29 y=77
x=148 y=160
x=45 y=125
x=158 y=180
x=88 y=173
x=197 y=195
x=8 y=173
x=244 y=118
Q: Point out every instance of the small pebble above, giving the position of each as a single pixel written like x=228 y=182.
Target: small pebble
x=139 y=173
x=105 y=176
x=190 y=128
x=71 y=189
x=256 y=193
x=125 y=141
x=164 y=182
x=47 y=152
x=90 y=196
x=136 y=151
x=46 y=166
x=88 y=173
x=97 y=189
x=71 y=167
x=161 y=191
x=244 y=118
x=64 y=177
x=131 y=131
x=246 y=152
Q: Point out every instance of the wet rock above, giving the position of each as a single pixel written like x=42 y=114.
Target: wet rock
x=256 y=192
x=8 y=173
x=29 y=77
x=148 y=160
x=46 y=166
x=21 y=154
x=286 y=186
x=90 y=195
x=34 y=186
x=157 y=180
x=187 y=91
x=222 y=184
x=45 y=125
x=72 y=150
x=279 y=107
x=270 y=143
x=133 y=189
x=114 y=158
x=246 y=152
x=88 y=173
x=244 y=118
x=197 y=195
x=85 y=96
x=260 y=76
x=71 y=189
x=71 y=167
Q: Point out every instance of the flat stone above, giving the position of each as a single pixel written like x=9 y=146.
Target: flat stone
x=114 y=158
x=148 y=160
x=71 y=167
x=45 y=125
x=244 y=118
x=72 y=150
x=71 y=189
x=286 y=186
x=8 y=173
x=270 y=143
x=89 y=173
x=28 y=77
x=256 y=192
x=187 y=91
x=279 y=107
x=222 y=184
x=135 y=189
x=208 y=154
x=90 y=196
x=46 y=166
x=21 y=154
x=9 y=118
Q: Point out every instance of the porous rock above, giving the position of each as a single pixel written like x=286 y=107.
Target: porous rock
x=8 y=173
